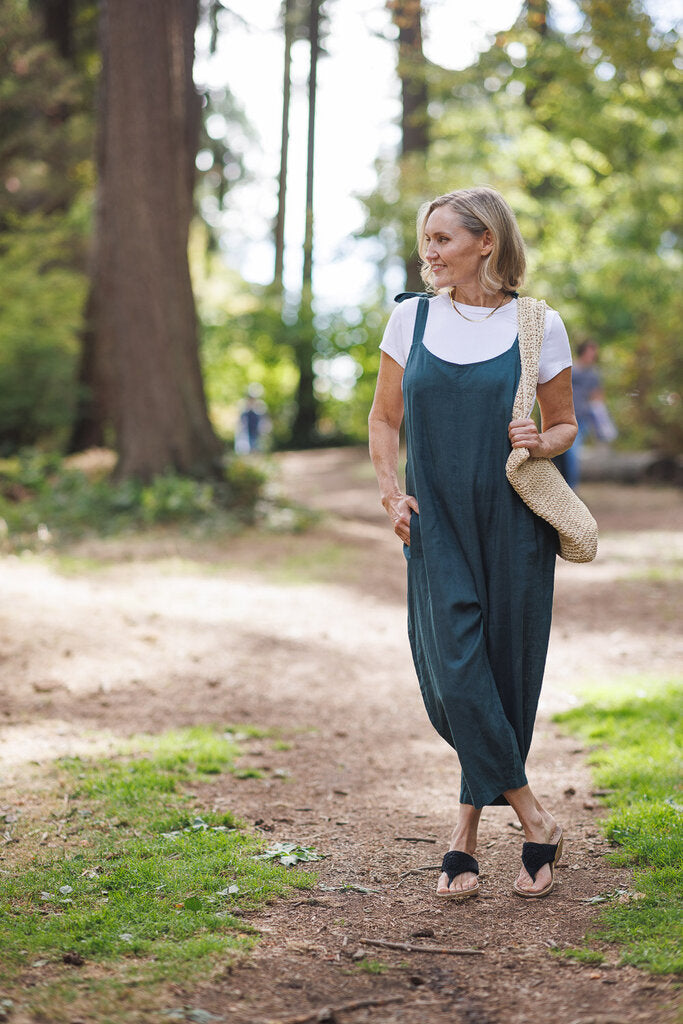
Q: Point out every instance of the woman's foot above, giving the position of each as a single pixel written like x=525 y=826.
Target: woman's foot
x=465 y=841
x=543 y=830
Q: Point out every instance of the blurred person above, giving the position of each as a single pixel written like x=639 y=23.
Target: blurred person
x=254 y=423
x=592 y=416
x=480 y=563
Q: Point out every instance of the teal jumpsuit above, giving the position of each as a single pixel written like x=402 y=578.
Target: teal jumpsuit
x=480 y=567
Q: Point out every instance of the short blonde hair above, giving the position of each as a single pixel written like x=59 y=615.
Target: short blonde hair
x=478 y=209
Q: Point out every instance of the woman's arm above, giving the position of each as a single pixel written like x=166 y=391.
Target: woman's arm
x=558 y=422
x=384 y=422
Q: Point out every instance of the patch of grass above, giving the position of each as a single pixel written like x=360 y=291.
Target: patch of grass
x=583 y=956
x=147 y=889
x=319 y=563
x=372 y=966
x=638 y=737
x=670 y=572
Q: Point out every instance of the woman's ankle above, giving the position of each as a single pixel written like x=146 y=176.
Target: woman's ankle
x=464 y=840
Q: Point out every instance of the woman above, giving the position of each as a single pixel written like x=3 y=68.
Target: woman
x=480 y=563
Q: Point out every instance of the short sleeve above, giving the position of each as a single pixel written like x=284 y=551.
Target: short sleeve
x=555 y=351
x=398 y=334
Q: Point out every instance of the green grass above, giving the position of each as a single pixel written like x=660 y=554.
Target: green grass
x=372 y=966
x=638 y=739
x=583 y=956
x=150 y=886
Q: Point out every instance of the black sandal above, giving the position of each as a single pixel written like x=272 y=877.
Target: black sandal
x=457 y=863
x=534 y=857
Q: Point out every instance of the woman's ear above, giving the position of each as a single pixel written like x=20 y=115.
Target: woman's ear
x=486 y=243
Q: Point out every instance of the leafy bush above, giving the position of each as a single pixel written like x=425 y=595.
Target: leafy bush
x=41 y=302
x=43 y=499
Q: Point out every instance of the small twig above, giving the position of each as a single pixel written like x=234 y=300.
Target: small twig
x=327 y=1013
x=408 y=947
x=416 y=871
x=413 y=839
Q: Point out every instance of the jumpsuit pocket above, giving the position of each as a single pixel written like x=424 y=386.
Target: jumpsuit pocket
x=415 y=548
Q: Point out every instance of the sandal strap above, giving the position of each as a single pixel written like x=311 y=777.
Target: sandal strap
x=457 y=863
x=535 y=855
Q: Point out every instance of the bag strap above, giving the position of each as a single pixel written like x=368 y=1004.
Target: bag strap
x=530 y=331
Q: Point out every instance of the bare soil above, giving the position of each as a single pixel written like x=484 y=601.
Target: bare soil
x=306 y=634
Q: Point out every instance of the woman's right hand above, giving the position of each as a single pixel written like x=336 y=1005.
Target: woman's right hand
x=398 y=507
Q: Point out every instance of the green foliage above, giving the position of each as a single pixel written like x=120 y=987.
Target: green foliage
x=42 y=500
x=41 y=302
x=246 y=339
x=46 y=128
x=580 y=133
x=46 y=133
x=145 y=884
x=637 y=758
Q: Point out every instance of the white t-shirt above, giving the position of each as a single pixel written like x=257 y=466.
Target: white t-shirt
x=457 y=340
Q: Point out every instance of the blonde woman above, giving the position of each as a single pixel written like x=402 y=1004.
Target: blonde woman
x=480 y=563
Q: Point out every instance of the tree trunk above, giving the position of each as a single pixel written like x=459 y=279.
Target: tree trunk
x=537 y=16
x=89 y=427
x=289 y=13
x=303 y=430
x=412 y=71
x=144 y=315
x=57 y=18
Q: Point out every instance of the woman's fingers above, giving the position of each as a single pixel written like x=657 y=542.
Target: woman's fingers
x=524 y=434
x=399 y=512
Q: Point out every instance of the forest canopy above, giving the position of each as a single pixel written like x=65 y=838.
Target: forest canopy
x=579 y=129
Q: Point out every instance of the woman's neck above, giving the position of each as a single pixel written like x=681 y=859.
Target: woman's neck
x=474 y=295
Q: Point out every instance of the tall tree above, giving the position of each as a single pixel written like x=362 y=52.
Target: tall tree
x=305 y=420
x=412 y=71
x=303 y=429
x=143 y=313
x=289 y=12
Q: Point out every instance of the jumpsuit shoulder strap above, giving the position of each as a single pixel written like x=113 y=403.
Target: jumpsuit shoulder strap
x=420 y=316
x=411 y=295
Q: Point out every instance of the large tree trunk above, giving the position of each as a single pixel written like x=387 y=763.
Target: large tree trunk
x=304 y=428
x=144 y=314
x=412 y=71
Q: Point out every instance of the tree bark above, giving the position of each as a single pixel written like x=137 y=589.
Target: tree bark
x=304 y=427
x=412 y=71
x=144 y=315
x=57 y=18
x=537 y=16
x=288 y=13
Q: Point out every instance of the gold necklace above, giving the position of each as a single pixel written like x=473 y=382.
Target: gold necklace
x=479 y=319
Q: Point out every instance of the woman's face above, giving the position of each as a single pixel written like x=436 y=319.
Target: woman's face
x=453 y=253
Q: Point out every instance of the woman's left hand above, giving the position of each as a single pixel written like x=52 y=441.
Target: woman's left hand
x=524 y=434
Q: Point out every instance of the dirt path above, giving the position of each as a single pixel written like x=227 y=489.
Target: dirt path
x=306 y=634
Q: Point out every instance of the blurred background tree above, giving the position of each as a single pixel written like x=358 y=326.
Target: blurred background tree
x=579 y=129
x=46 y=131
x=581 y=133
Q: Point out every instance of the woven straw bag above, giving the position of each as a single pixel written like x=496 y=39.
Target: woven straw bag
x=538 y=482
